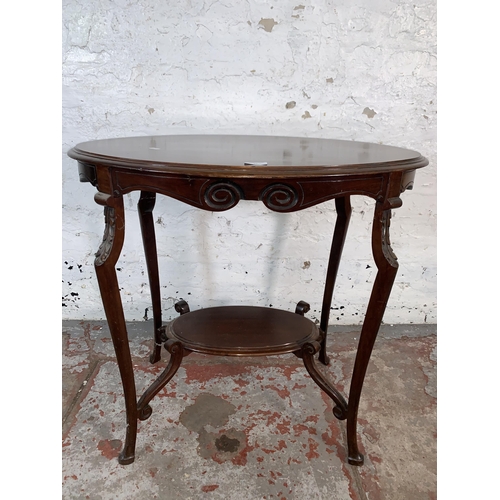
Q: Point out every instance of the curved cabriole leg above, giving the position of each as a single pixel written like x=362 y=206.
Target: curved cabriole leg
x=176 y=354
x=343 y=207
x=307 y=353
x=387 y=265
x=145 y=207
x=105 y=261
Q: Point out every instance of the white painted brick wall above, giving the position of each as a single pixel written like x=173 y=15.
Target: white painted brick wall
x=362 y=70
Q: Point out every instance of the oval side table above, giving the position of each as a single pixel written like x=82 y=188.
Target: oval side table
x=215 y=172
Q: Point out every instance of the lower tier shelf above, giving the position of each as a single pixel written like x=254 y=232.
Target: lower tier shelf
x=242 y=331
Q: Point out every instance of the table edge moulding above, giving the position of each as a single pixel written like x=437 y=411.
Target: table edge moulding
x=213 y=173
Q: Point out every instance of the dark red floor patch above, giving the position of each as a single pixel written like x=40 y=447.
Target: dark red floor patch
x=109 y=449
x=209 y=487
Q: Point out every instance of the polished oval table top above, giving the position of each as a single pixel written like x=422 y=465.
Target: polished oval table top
x=240 y=156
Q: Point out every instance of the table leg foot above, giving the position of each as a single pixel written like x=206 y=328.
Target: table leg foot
x=323 y=357
x=125 y=459
x=155 y=356
x=356 y=459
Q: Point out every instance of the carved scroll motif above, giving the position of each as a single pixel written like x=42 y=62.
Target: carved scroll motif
x=109 y=233
x=279 y=197
x=222 y=195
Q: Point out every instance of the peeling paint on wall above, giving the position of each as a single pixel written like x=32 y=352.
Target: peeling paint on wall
x=370 y=113
x=268 y=24
x=362 y=72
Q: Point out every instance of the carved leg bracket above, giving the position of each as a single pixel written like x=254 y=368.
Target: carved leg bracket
x=307 y=354
x=176 y=351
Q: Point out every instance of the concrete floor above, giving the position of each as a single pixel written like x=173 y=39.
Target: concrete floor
x=228 y=428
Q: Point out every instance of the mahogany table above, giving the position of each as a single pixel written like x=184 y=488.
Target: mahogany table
x=214 y=172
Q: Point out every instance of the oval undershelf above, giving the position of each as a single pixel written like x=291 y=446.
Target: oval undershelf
x=242 y=331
